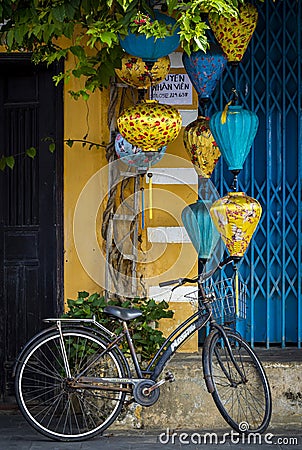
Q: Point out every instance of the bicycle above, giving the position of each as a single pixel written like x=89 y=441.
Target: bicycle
x=72 y=379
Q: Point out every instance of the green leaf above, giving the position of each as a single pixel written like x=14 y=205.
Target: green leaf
x=171 y=6
x=58 y=13
x=87 y=310
x=78 y=51
x=69 y=142
x=108 y=38
x=87 y=70
x=10 y=161
x=68 y=29
x=52 y=147
x=69 y=10
x=77 y=72
x=31 y=152
x=93 y=297
x=83 y=294
x=136 y=336
x=10 y=37
x=20 y=32
x=85 y=95
x=2 y=163
x=79 y=301
x=48 y=32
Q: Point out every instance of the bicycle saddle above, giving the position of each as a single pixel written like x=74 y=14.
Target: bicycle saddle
x=122 y=313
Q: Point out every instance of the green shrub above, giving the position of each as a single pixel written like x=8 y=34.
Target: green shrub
x=144 y=330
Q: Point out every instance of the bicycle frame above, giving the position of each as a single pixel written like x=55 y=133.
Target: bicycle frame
x=181 y=334
x=178 y=336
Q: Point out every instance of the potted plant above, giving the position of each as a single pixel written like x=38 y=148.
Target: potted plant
x=151 y=37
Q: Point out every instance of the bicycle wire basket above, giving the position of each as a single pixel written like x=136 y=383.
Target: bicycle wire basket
x=228 y=298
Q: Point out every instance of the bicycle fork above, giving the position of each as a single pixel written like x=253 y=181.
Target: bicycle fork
x=206 y=360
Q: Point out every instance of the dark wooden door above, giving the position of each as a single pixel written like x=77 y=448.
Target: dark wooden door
x=30 y=208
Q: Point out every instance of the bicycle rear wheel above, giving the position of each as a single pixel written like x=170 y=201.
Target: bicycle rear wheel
x=243 y=401
x=47 y=399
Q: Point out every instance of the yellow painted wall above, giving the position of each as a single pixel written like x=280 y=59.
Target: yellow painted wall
x=80 y=164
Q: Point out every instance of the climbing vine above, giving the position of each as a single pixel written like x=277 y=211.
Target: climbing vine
x=90 y=30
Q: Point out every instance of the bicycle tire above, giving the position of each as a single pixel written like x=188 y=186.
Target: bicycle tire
x=245 y=405
x=50 y=404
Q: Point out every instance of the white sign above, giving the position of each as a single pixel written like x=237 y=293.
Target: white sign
x=175 y=89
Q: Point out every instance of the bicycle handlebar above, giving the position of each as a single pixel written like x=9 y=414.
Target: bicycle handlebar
x=168 y=283
x=201 y=277
x=179 y=281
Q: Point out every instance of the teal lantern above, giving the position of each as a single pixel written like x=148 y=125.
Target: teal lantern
x=234 y=131
x=200 y=228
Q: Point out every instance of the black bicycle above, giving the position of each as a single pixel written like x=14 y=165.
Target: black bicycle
x=72 y=379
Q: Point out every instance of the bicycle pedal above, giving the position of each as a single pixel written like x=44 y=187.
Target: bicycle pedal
x=169 y=377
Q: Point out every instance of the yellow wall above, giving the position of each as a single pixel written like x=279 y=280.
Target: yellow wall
x=80 y=164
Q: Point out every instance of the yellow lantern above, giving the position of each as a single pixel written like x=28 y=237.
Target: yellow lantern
x=201 y=146
x=150 y=125
x=135 y=71
x=235 y=33
x=236 y=217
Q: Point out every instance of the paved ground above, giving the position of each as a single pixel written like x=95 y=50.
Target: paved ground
x=16 y=434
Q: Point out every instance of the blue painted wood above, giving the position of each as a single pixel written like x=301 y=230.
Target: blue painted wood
x=299 y=181
x=269 y=80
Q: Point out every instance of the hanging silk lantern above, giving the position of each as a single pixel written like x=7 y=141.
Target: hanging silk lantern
x=200 y=228
x=205 y=69
x=135 y=72
x=236 y=217
x=234 y=130
x=151 y=48
x=150 y=125
x=201 y=146
x=134 y=156
x=235 y=33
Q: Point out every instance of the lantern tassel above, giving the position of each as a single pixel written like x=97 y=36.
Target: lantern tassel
x=236 y=292
x=150 y=196
x=143 y=208
x=225 y=112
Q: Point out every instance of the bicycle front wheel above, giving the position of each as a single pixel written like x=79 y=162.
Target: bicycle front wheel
x=244 y=400
x=49 y=400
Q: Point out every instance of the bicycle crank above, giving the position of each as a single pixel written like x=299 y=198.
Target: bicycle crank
x=146 y=392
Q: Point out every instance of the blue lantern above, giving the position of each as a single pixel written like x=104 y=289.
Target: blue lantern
x=200 y=228
x=205 y=69
x=135 y=156
x=150 y=49
x=234 y=130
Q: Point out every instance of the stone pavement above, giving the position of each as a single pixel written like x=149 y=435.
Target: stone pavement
x=16 y=434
